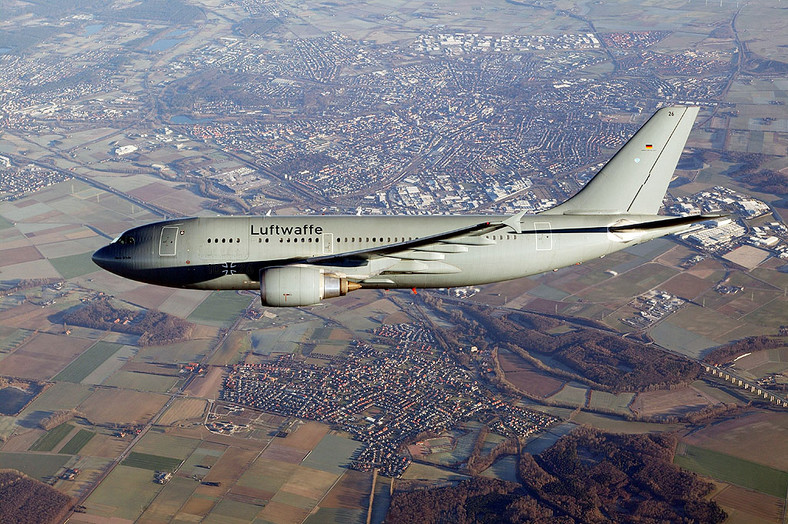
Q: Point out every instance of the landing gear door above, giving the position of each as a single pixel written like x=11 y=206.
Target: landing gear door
x=168 y=242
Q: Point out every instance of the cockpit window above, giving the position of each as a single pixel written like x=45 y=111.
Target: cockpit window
x=126 y=240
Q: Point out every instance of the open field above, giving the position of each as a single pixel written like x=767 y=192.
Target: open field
x=36 y=465
x=43 y=356
x=571 y=394
x=88 y=361
x=526 y=377
x=183 y=409
x=158 y=442
x=11 y=338
x=141 y=381
x=74 y=265
x=121 y=407
x=352 y=491
x=505 y=468
x=233 y=349
x=305 y=435
x=178 y=353
x=62 y=395
x=183 y=302
x=629 y=284
x=221 y=307
x=616 y=424
x=169 y=500
x=755 y=436
x=103 y=445
x=618 y=403
x=124 y=493
x=332 y=454
x=731 y=469
x=681 y=340
x=670 y=402
x=744 y=505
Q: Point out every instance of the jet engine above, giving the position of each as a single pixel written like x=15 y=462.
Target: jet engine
x=300 y=286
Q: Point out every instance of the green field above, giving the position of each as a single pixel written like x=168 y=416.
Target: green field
x=77 y=442
x=608 y=401
x=62 y=395
x=74 y=265
x=50 y=439
x=220 y=308
x=151 y=462
x=124 y=494
x=88 y=362
x=157 y=442
x=571 y=394
x=732 y=469
x=38 y=466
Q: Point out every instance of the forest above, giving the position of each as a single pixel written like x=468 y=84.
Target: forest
x=26 y=500
x=153 y=327
x=603 y=359
x=587 y=476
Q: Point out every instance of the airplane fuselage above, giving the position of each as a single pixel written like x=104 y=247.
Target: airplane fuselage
x=230 y=252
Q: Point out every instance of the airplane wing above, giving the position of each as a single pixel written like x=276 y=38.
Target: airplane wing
x=471 y=234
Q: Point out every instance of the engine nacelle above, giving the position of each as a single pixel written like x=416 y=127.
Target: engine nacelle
x=300 y=286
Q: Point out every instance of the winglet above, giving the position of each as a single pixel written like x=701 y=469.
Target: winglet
x=514 y=222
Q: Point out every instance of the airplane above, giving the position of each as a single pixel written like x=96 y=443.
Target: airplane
x=301 y=260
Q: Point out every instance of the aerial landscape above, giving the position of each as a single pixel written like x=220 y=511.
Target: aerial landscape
x=650 y=384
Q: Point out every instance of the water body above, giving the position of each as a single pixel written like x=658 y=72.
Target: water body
x=4 y=50
x=12 y=400
x=164 y=44
x=92 y=29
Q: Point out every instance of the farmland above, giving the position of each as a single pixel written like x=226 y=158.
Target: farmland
x=731 y=469
x=77 y=442
x=88 y=361
x=151 y=462
x=51 y=439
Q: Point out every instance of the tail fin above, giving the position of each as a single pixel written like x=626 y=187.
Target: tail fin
x=635 y=180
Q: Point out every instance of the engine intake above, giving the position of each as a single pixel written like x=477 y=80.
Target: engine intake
x=300 y=286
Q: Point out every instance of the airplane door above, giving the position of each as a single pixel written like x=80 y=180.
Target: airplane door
x=328 y=243
x=544 y=236
x=168 y=242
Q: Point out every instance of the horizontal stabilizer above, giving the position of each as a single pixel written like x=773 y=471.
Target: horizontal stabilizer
x=667 y=222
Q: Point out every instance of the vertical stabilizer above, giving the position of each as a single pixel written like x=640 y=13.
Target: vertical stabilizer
x=635 y=180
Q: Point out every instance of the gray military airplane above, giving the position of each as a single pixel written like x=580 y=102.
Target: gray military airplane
x=301 y=260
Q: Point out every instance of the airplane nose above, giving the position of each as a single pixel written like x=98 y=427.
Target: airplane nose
x=103 y=258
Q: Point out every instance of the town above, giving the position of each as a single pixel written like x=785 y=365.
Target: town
x=383 y=395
